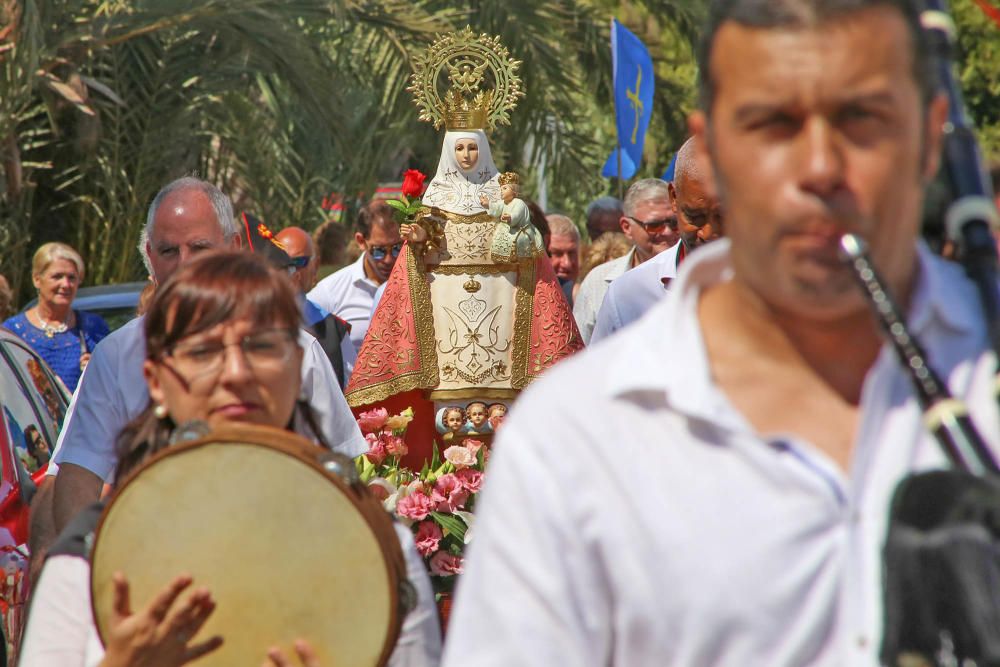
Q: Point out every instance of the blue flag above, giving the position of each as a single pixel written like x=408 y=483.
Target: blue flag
x=668 y=175
x=633 y=80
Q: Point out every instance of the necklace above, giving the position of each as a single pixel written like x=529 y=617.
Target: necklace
x=51 y=329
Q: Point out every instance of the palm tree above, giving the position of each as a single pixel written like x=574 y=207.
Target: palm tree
x=278 y=101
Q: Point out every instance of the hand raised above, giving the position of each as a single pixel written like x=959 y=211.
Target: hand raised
x=159 y=635
x=307 y=656
x=413 y=233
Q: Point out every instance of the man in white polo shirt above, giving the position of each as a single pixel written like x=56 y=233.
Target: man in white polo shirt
x=187 y=217
x=350 y=292
x=699 y=221
x=713 y=488
x=649 y=222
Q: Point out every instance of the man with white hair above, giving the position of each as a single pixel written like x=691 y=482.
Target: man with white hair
x=187 y=217
x=650 y=224
x=699 y=221
x=564 y=252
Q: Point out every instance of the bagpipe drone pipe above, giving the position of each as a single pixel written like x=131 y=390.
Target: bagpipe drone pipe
x=941 y=558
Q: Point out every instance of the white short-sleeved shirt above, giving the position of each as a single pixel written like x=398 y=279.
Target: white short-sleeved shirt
x=634 y=292
x=631 y=516
x=113 y=392
x=349 y=294
x=592 y=290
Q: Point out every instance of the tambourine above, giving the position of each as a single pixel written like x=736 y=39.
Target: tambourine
x=281 y=533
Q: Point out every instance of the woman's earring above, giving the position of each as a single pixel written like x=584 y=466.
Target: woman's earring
x=160 y=411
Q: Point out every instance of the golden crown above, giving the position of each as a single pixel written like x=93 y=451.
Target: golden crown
x=508 y=178
x=469 y=61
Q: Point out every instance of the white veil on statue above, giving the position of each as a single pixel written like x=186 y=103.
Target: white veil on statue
x=457 y=191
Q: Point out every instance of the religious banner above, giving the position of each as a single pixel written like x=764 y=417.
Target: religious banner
x=633 y=83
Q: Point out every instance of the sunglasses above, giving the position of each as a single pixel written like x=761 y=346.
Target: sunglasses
x=655 y=226
x=378 y=252
x=297 y=263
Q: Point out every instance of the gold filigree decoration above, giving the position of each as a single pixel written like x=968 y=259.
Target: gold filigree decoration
x=469 y=62
x=470 y=394
x=426 y=376
x=478 y=269
x=524 y=308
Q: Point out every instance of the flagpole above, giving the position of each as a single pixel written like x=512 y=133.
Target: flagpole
x=614 y=109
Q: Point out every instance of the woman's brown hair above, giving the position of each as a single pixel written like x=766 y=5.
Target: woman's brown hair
x=209 y=290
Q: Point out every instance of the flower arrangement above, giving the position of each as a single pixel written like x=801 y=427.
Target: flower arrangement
x=436 y=502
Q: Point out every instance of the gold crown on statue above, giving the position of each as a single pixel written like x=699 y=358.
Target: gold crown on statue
x=470 y=62
x=472 y=285
x=508 y=178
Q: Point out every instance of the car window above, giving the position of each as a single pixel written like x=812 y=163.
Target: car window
x=32 y=405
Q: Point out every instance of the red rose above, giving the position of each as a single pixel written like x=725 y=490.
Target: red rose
x=413 y=183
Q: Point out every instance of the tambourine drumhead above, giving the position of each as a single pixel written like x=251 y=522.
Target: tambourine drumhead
x=286 y=549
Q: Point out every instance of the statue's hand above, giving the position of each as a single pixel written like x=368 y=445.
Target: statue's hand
x=413 y=233
x=505 y=218
x=484 y=201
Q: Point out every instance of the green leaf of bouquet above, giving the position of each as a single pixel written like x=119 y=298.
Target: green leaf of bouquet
x=398 y=205
x=450 y=523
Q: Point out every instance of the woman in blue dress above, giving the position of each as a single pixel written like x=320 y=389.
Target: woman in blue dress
x=63 y=337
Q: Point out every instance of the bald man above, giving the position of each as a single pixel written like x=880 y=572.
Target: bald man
x=332 y=332
x=692 y=193
x=699 y=221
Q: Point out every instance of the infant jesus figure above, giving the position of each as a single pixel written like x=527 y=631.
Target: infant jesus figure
x=515 y=238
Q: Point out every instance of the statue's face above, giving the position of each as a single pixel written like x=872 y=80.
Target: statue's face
x=507 y=193
x=467 y=153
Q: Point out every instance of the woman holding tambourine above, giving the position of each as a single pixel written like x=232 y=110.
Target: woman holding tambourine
x=260 y=545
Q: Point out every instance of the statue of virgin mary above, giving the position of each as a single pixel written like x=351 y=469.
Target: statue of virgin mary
x=454 y=326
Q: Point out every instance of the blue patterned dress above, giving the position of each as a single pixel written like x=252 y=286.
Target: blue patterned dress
x=62 y=351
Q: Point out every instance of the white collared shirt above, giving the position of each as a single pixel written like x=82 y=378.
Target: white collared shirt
x=631 y=516
x=634 y=292
x=592 y=290
x=349 y=294
x=113 y=392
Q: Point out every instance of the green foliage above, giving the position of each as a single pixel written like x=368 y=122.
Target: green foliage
x=281 y=102
x=979 y=70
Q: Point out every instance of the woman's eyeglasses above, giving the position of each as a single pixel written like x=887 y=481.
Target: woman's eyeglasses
x=264 y=351
x=378 y=252
x=655 y=226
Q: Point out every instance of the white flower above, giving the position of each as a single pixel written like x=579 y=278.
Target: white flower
x=469 y=518
x=459 y=456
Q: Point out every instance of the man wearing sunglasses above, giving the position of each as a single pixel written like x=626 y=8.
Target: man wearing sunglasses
x=350 y=292
x=650 y=223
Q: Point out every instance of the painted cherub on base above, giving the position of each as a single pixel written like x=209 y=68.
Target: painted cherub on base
x=477 y=414
x=515 y=238
x=451 y=422
x=497 y=413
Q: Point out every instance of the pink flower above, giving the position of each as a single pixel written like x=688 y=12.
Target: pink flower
x=449 y=494
x=428 y=538
x=376 y=449
x=472 y=480
x=459 y=456
x=444 y=564
x=373 y=420
x=472 y=445
x=398 y=422
x=394 y=445
x=416 y=506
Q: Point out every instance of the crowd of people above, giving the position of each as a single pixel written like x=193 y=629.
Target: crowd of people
x=722 y=459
